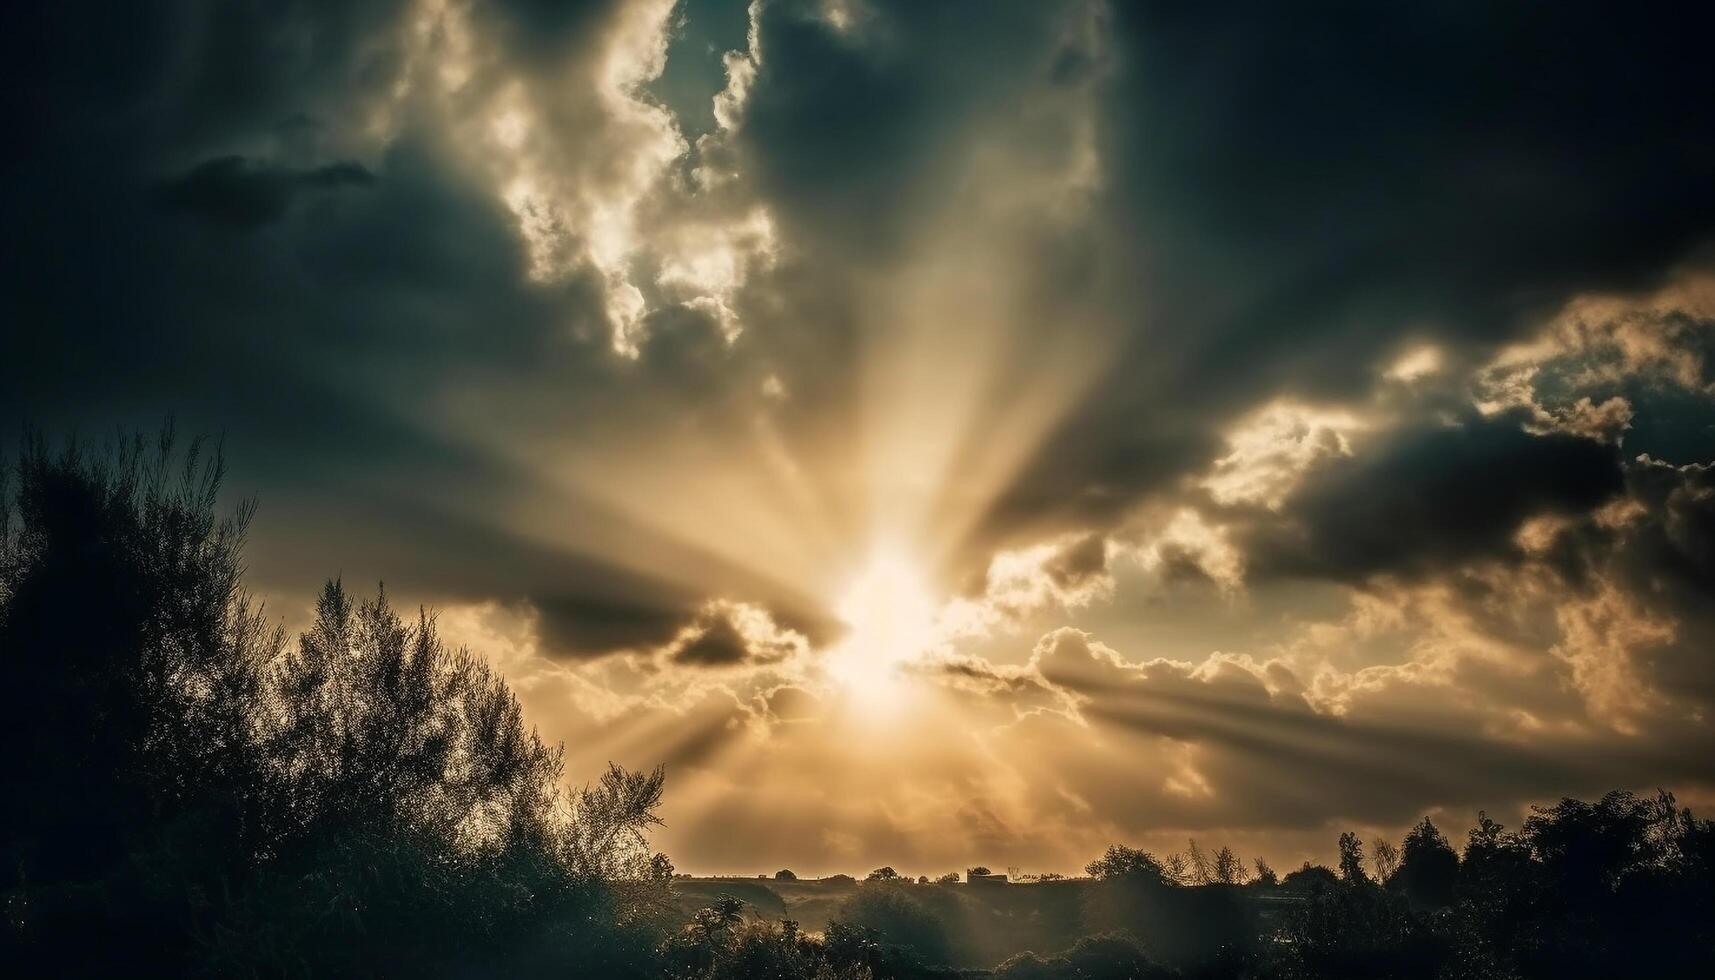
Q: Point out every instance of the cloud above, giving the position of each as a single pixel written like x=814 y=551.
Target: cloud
x=1622 y=368
x=1298 y=197
x=1433 y=496
x=727 y=634
x=1270 y=452
x=1328 y=389
x=246 y=195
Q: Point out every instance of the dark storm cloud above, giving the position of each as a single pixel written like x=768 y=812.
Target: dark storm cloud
x=1680 y=502
x=1297 y=190
x=1666 y=554
x=850 y=131
x=1431 y=499
x=246 y=195
x=719 y=644
x=366 y=290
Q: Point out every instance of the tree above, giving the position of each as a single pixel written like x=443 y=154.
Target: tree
x=882 y=874
x=1428 y=868
x=1200 y=870
x=1309 y=878
x=132 y=661
x=1175 y=869
x=1228 y=869
x=207 y=801
x=1352 y=859
x=1265 y=875
x=1121 y=861
x=981 y=869
x=785 y=874
x=1386 y=857
x=378 y=725
x=950 y=878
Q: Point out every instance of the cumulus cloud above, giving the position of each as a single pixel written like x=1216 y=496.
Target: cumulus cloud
x=726 y=634
x=1612 y=365
x=1270 y=452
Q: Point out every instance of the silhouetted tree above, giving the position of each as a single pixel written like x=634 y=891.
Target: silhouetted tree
x=1227 y=868
x=203 y=800
x=1347 y=929
x=1186 y=928
x=1265 y=875
x=1175 y=870
x=882 y=874
x=1309 y=878
x=1121 y=861
x=1352 y=858
x=1386 y=859
x=1428 y=869
x=1201 y=873
x=132 y=661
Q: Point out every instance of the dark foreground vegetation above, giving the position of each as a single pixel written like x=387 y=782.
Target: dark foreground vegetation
x=187 y=792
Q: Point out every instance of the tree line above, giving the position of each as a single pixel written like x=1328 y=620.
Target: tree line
x=1619 y=887
x=188 y=791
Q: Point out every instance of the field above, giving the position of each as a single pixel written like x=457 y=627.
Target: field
x=985 y=923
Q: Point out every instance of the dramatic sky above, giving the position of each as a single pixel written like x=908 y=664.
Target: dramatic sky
x=939 y=432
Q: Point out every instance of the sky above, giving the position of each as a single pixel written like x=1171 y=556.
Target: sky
x=940 y=433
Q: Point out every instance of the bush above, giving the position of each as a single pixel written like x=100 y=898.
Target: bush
x=897 y=918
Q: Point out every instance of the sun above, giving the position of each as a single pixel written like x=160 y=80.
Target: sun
x=891 y=614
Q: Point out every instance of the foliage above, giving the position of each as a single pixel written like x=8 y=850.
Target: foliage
x=1201 y=871
x=1227 y=868
x=1107 y=957
x=1351 y=858
x=896 y=917
x=1265 y=875
x=1386 y=858
x=1428 y=868
x=207 y=800
x=1122 y=862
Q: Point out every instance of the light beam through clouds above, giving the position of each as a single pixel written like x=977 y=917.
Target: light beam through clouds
x=941 y=433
